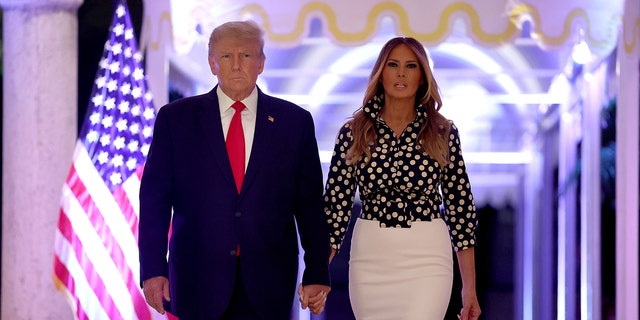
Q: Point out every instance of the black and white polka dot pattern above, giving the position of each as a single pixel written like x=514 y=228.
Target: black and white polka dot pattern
x=400 y=184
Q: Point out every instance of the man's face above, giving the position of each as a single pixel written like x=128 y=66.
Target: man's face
x=236 y=64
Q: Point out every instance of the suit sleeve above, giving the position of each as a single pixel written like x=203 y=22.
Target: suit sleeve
x=310 y=217
x=155 y=202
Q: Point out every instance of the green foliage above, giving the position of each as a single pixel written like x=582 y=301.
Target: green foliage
x=608 y=154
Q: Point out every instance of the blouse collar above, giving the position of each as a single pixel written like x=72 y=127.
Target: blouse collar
x=374 y=106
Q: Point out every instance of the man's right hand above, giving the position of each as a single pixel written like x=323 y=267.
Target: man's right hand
x=155 y=290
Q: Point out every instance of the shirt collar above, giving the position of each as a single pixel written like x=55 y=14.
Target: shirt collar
x=251 y=101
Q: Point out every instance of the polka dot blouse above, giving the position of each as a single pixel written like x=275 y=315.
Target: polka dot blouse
x=400 y=184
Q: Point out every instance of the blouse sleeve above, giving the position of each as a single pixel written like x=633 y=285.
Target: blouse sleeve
x=460 y=208
x=340 y=188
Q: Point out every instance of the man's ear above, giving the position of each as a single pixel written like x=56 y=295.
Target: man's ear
x=261 y=68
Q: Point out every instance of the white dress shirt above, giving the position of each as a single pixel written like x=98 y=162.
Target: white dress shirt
x=248 y=118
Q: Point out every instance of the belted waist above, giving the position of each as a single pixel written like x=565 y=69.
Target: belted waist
x=395 y=211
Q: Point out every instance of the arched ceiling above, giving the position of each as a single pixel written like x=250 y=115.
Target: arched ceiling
x=488 y=23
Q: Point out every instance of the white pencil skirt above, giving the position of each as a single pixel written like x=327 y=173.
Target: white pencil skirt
x=400 y=273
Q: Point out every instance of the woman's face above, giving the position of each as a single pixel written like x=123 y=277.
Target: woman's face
x=401 y=74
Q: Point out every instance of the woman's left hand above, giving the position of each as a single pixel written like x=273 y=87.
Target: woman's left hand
x=470 y=306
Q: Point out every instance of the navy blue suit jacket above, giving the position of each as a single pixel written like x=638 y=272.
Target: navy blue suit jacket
x=188 y=172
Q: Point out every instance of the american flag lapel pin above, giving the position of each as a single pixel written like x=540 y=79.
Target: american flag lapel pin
x=270 y=118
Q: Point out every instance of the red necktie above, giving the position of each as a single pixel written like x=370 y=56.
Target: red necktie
x=235 y=144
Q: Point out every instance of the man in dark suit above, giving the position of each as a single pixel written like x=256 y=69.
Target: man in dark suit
x=233 y=249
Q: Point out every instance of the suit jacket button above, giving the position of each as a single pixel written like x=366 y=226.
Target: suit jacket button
x=232 y=253
x=238 y=214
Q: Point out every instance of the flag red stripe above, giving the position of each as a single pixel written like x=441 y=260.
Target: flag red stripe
x=62 y=273
x=94 y=280
x=127 y=210
x=79 y=190
x=139 y=171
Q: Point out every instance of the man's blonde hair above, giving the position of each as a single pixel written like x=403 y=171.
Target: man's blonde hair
x=242 y=30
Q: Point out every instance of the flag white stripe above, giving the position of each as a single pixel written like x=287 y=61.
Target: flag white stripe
x=132 y=188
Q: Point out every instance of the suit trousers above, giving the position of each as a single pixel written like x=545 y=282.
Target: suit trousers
x=239 y=307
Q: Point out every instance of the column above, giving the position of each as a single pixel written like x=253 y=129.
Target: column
x=569 y=136
x=590 y=208
x=156 y=43
x=627 y=141
x=39 y=132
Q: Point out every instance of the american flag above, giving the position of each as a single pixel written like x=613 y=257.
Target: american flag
x=96 y=262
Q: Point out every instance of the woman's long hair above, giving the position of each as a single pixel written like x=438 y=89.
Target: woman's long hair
x=433 y=135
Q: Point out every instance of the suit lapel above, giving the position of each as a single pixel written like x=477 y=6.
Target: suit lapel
x=261 y=140
x=211 y=126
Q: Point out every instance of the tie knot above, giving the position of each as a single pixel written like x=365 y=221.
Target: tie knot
x=239 y=106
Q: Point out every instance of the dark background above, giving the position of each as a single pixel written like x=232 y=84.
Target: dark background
x=94 y=20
